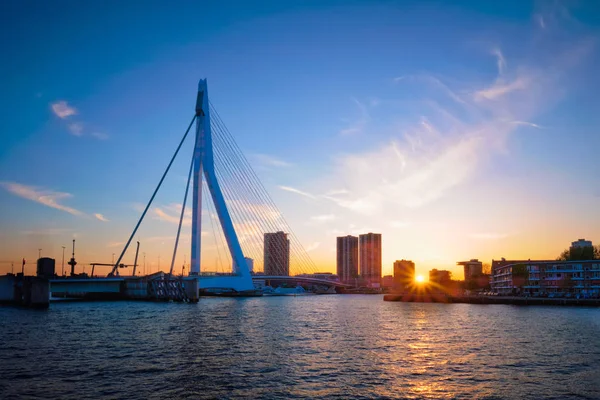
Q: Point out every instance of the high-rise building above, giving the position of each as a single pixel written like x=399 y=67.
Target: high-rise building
x=277 y=254
x=581 y=250
x=582 y=243
x=347 y=258
x=472 y=269
x=404 y=274
x=370 y=258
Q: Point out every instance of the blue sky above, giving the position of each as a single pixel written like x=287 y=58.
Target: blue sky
x=456 y=130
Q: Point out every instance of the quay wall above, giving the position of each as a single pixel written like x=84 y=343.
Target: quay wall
x=524 y=301
x=26 y=291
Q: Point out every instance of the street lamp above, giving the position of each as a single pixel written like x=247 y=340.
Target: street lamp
x=63 y=261
x=39 y=253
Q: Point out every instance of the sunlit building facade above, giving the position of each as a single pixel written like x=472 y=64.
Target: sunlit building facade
x=277 y=254
x=370 y=258
x=347 y=258
x=440 y=277
x=404 y=275
x=511 y=277
x=472 y=269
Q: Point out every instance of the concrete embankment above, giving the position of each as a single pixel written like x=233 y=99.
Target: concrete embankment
x=25 y=291
x=524 y=301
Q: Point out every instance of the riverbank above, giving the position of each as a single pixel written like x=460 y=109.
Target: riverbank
x=523 y=301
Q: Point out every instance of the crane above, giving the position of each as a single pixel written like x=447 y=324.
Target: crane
x=115 y=271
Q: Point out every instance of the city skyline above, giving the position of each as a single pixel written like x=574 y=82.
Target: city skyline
x=463 y=144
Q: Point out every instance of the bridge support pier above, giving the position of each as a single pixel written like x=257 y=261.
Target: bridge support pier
x=192 y=287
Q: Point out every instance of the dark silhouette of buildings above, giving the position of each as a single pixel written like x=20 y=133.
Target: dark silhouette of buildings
x=347 y=258
x=277 y=254
x=370 y=258
x=404 y=275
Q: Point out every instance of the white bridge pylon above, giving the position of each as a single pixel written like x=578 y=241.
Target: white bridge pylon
x=203 y=163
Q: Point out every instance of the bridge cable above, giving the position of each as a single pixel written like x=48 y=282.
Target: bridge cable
x=116 y=266
x=250 y=207
x=185 y=196
x=235 y=201
x=301 y=256
x=251 y=204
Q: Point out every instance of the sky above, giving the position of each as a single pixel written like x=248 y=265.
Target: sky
x=457 y=130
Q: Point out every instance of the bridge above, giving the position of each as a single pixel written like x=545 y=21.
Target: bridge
x=228 y=197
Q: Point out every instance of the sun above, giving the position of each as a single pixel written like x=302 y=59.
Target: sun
x=420 y=278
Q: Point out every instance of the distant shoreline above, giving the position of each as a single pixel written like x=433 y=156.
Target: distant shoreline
x=512 y=300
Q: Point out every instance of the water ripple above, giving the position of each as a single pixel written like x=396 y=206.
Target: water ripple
x=334 y=347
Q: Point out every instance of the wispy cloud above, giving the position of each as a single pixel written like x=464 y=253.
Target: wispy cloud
x=99 y=135
x=399 y=224
x=448 y=142
x=76 y=128
x=501 y=88
x=297 y=191
x=525 y=123
x=432 y=82
x=101 y=217
x=358 y=124
x=540 y=20
x=171 y=213
x=46 y=232
x=501 y=61
x=270 y=161
x=62 y=109
x=488 y=236
x=322 y=218
x=46 y=197
x=313 y=246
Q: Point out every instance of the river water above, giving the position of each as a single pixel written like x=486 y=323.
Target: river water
x=344 y=346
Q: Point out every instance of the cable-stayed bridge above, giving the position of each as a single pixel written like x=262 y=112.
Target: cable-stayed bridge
x=229 y=199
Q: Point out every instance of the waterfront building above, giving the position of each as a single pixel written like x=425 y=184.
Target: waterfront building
x=347 y=258
x=440 y=281
x=370 y=258
x=511 y=277
x=440 y=277
x=472 y=269
x=387 y=281
x=404 y=275
x=277 y=254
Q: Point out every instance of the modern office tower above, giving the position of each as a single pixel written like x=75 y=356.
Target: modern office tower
x=347 y=258
x=277 y=254
x=404 y=274
x=370 y=258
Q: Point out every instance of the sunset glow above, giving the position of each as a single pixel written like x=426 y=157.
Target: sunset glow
x=420 y=278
